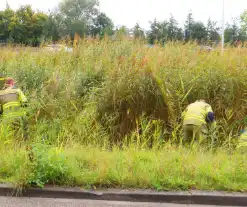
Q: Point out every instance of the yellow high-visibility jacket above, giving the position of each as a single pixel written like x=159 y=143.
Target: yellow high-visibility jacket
x=2 y=82
x=196 y=113
x=11 y=101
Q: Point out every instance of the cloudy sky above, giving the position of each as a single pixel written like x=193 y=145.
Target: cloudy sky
x=128 y=12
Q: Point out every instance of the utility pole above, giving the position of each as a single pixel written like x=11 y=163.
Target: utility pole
x=223 y=27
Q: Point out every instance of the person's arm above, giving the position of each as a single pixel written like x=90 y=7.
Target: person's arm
x=210 y=116
x=22 y=98
x=184 y=112
x=209 y=109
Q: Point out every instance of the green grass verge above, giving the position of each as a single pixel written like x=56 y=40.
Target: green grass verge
x=170 y=168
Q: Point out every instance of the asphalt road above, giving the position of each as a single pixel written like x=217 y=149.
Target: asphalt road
x=47 y=202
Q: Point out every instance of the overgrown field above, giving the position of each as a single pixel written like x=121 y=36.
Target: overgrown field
x=109 y=115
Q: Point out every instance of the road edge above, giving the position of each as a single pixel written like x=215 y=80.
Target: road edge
x=191 y=197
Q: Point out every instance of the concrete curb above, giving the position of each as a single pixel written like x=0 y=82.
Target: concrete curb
x=192 y=197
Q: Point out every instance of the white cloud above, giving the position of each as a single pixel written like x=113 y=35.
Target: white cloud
x=37 y=4
x=128 y=12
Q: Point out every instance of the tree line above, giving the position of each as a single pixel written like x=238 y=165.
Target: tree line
x=235 y=32
x=83 y=17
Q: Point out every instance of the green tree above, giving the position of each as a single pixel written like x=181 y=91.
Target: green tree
x=165 y=31
x=230 y=34
x=24 y=26
x=174 y=32
x=194 y=30
x=212 y=31
x=188 y=27
x=153 y=34
x=7 y=22
x=102 y=25
x=76 y=16
x=242 y=36
x=121 y=32
x=243 y=29
x=138 y=32
x=158 y=32
x=29 y=29
x=243 y=18
x=51 y=28
x=198 y=32
x=79 y=9
x=234 y=34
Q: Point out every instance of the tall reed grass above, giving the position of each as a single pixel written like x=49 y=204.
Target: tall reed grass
x=107 y=94
x=104 y=90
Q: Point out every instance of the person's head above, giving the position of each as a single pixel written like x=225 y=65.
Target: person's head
x=9 y=82
x=201 y=100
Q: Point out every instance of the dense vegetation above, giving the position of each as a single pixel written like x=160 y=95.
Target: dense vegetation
x=110 y=106
x=110 y=85
x=83 y=17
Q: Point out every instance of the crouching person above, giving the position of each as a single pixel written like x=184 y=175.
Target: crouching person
x=12 y=107
x=198 y=119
